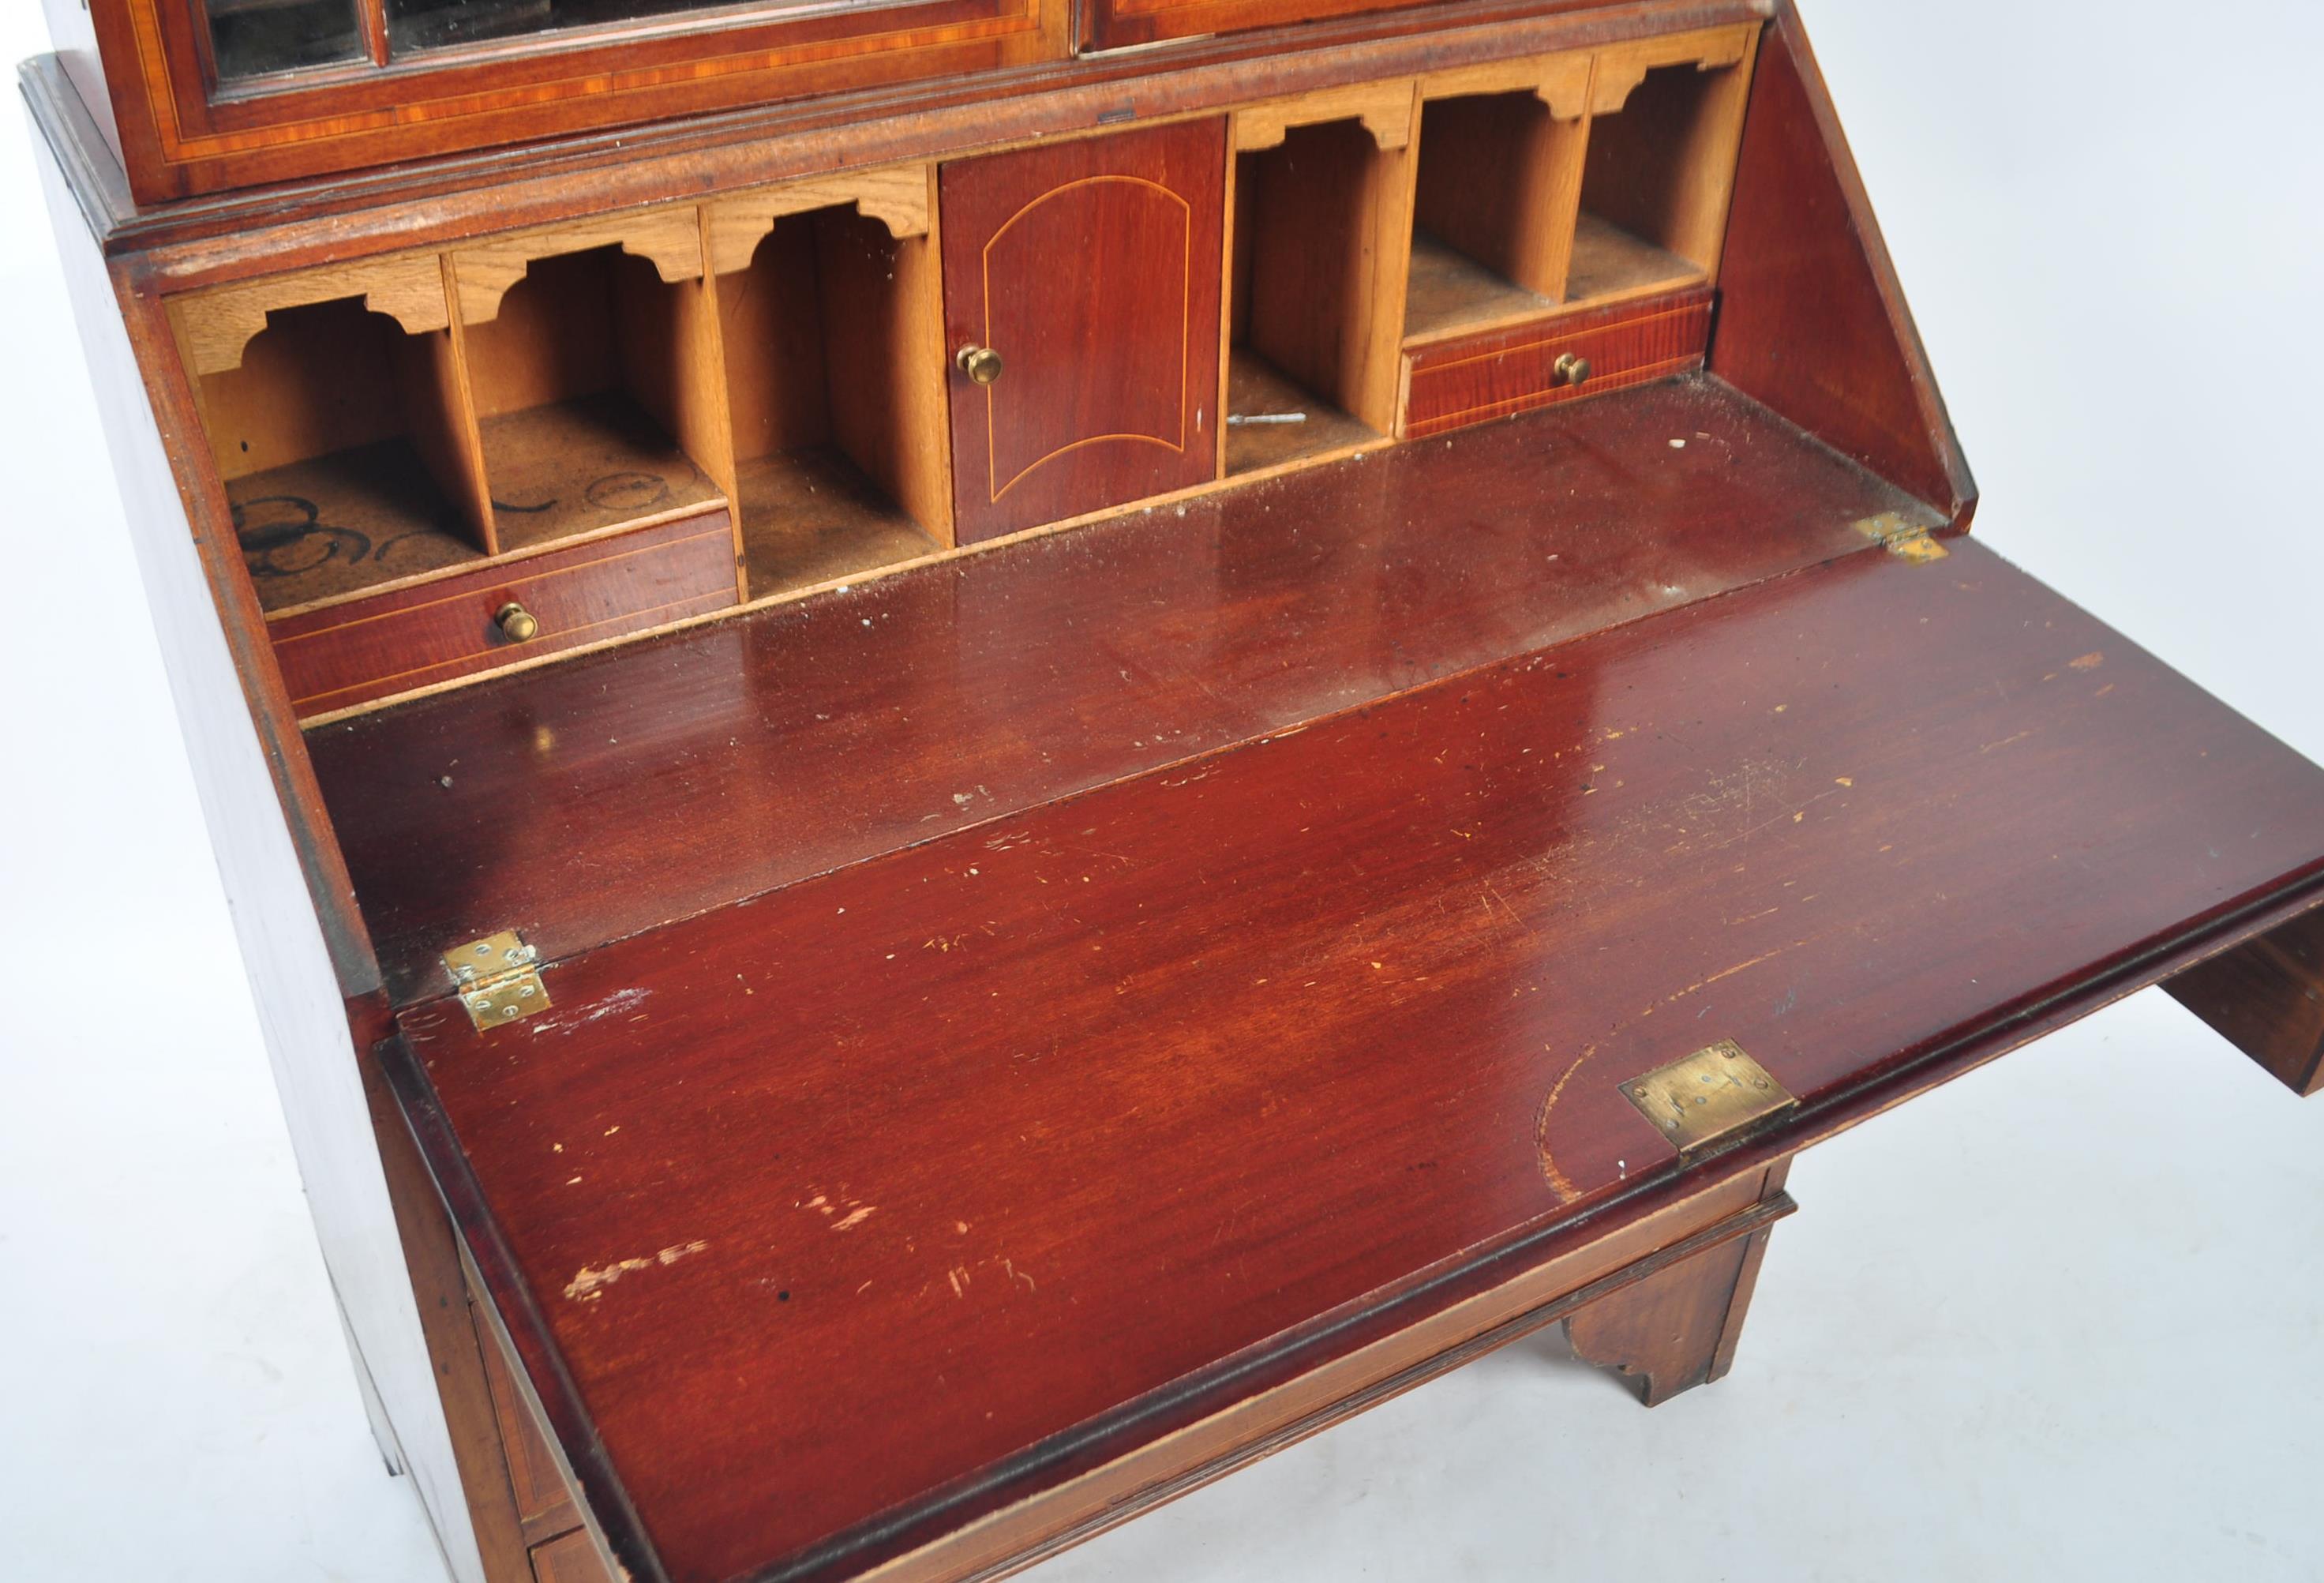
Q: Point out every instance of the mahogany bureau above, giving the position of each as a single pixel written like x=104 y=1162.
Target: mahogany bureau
x=977 y=755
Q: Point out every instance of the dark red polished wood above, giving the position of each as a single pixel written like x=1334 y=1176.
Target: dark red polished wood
x=1477 y=378
x=1080 y=1122
x=1093 y=269
x=180 y=132
x=750 y=753
x=1113 y=24
x=1810 y=318
x=425 y=634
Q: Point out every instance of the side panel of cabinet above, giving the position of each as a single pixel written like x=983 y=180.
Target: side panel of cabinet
x=1093 y=269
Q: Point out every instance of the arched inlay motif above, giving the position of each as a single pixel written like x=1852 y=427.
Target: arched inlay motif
x=1100 y=236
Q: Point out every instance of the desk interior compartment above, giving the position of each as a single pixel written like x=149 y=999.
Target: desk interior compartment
x=1315 y=294
x=1659 y=172
x=596 y=375
x=833 y=329
x=348 y=458
x=1499 y=180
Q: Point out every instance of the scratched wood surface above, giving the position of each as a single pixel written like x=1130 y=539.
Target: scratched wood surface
x=730 y=760
x=915 y=1172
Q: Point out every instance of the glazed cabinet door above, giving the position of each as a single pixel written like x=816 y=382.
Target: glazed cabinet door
x=1082 y=287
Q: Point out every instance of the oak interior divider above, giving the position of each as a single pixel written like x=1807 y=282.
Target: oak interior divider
x=1315 y=290
x=1573 y=181
x=598 y=374
x=347 y=452
x=1655 y=184
x=1499 y=185
x=832 y=324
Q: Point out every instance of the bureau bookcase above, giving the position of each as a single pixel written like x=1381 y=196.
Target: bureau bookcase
x=444 y=464
x=963 y=746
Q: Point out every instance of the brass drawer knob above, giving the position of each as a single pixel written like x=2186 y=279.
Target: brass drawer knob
x=1573 y=370
x=980 y=364
x=517 y=623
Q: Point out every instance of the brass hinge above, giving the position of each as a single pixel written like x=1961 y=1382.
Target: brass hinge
x=1902 y=539
x=1713 y=1093
x=497 y=979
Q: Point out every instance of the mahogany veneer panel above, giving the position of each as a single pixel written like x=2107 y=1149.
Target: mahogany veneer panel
x=900 y=1193
x=2266 y=998
x=178 y=137
x=545 y=1508
x=1495 y=374
x=1092 y=267
x=419 y=635
x=1810 y=318
x=719 y=762
x=569 y=1559
x=1112 y=24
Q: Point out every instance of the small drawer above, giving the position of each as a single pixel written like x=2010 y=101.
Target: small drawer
x=1471 y=379
x=424 y=634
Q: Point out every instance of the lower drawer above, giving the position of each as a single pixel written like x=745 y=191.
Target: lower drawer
x=1452 y=383
x=423 y=635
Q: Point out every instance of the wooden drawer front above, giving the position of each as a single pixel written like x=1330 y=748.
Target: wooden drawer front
x=438 y=631
x=1456 y=382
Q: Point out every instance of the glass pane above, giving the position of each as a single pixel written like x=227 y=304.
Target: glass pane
x=251 y=37
x=426 y=24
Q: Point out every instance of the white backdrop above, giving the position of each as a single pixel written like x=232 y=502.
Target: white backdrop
x=2065 y=1318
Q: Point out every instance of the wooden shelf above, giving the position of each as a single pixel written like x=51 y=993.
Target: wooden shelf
x=1322 y=213
x=347 y=455
x=811 y=514
x=835 y=368
x=587 y=462
x=1256 y=387
x=592 y=360
x=1449 y=291
x=1610 y=264
x=344 y=522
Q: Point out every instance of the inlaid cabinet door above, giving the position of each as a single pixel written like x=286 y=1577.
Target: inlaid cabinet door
x=1081 y=285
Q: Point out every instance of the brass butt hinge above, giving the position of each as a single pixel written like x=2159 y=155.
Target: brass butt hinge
x=497 y=979
x=1901 y=539
x=1712 y=1095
